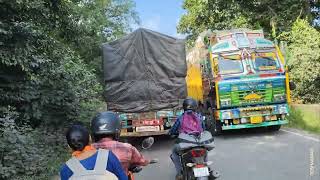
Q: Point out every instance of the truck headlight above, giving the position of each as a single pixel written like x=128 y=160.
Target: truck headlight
x=226 y=115
x=283 y=110
x=225 y=102
x=244 y=120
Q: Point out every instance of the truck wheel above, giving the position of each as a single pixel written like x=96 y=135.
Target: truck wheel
x=274 y=128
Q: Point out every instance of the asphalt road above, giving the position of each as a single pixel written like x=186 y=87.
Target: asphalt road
x=254 y=154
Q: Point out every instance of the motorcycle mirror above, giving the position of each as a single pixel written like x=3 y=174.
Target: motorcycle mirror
x=147 y=143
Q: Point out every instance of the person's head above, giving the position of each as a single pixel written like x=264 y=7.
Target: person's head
x=189 y=105
x=106 y=124
x=77 y=137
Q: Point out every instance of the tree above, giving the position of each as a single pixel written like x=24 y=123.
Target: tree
x=226 y=14
x=49 y=72
x=304 y=61
x=50 y=52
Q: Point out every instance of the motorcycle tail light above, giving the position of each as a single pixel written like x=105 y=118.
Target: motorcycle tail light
x=198 y=152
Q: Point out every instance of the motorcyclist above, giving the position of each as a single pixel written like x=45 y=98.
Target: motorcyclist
x=78 y=139
x=189 y=122
x=106 y=128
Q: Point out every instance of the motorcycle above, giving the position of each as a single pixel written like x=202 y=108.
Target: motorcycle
x=146 y=144
x=193 y=152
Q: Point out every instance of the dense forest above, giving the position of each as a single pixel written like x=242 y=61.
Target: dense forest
x=50 y=66
x=50 y=63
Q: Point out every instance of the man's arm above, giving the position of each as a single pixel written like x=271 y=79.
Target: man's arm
x=137 y=158
x=115 y=167
x=175 y=128
x=200 y=118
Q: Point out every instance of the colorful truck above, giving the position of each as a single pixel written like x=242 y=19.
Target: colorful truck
x=144 y=76
x=241 y=79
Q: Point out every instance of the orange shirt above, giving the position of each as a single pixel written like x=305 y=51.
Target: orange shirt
x=87 y=148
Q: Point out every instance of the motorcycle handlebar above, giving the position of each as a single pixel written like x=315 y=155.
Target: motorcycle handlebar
x=135 y=169
x=153 y=161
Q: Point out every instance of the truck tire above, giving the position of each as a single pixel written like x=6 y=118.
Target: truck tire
x=274 y=128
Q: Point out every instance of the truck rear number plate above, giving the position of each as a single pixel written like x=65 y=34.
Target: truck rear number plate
x=200 y=172
x=147 y=128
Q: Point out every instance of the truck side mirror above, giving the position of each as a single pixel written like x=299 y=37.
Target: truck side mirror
x=292 y=85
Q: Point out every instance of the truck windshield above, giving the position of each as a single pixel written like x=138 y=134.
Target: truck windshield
x=230 y=65
x=265 y=61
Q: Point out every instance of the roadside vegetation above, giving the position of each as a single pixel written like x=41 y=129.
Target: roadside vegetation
x=305 y=117
x=50 y=75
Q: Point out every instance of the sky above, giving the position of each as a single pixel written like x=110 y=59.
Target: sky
x=160 y=15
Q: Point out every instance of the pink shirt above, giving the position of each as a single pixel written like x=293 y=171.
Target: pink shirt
x=126 y=153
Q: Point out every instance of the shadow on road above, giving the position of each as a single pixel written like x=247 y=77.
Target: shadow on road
x=240 y=133
x=158 y=141
x=230 y=134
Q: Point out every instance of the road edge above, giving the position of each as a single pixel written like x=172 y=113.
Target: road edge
x=302 y=133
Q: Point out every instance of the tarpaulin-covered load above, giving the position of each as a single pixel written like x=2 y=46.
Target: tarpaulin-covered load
x=144 y=71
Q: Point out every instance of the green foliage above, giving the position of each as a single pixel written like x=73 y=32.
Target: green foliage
x=304 y=61
x=226 y=14
x=50 y=58
x=210 y=14
x=52 y=79
x=305 y=117
x=50 y=74
x=26 y=151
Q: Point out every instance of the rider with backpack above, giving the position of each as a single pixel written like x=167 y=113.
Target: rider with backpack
x=106 y=129
x=87 y=162
x=189 y=122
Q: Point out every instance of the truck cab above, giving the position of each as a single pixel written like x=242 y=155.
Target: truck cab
x=247 y=80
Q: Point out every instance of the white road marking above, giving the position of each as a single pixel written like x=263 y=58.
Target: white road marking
x=301 y=135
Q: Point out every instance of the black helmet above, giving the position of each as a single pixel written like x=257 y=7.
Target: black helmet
x=77 y=137
x=106 y=123
x=189 y=104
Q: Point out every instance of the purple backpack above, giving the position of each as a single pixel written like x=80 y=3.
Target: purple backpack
x=190 y=123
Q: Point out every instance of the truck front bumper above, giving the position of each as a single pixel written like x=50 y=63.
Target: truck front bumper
x=263 y=124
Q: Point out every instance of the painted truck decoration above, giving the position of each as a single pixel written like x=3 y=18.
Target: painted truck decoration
x=244 y=81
